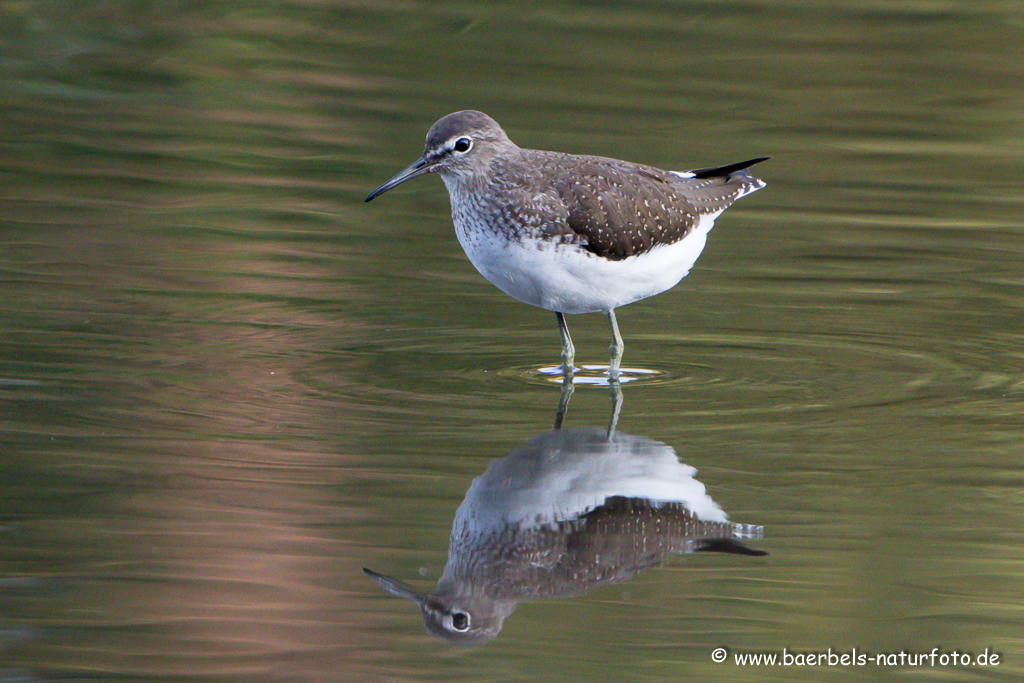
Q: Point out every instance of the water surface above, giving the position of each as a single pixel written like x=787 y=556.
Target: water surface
x=227 y=385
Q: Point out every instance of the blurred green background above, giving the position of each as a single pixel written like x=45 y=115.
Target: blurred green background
x=226 y=384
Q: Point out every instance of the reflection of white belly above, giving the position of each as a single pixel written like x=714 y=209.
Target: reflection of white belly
x=565 y=473
x=568 y=279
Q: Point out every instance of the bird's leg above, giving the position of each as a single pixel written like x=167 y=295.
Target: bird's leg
x=563 y=401
x=616 y=348
x=568 y=350
x=616 y=397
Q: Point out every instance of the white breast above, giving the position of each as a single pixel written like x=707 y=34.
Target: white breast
x=564 y=277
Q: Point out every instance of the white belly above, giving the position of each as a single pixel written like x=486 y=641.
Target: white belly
x=567 y=279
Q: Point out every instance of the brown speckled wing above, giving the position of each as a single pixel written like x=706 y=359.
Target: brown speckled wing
x=616 y=209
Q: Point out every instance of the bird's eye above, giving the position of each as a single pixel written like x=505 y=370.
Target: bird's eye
x=460 y=621
x=462 y=145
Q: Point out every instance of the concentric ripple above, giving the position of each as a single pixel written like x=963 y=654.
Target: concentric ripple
x=585 y=375
x=752 y=372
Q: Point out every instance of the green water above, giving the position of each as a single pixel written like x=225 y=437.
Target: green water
x=227 y=385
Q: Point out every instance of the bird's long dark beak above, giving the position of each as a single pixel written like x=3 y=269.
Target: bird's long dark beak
x=395 y=587
x=416 y=168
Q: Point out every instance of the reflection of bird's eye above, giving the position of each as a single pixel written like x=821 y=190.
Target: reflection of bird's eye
x=460 y=621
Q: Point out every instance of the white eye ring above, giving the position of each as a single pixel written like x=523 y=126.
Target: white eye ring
x=460 y=621
x=462 y=145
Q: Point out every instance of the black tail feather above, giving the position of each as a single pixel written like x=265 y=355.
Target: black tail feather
x=726 y=545
x=722 y=171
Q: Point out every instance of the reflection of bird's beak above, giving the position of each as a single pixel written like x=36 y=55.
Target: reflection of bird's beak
x=416 y=168
x=393 y=586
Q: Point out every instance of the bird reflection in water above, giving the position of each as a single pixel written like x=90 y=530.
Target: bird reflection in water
x=571 y=510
